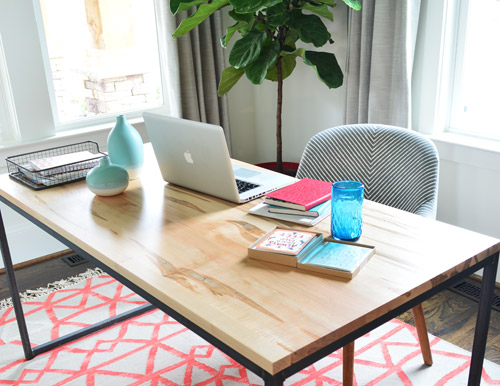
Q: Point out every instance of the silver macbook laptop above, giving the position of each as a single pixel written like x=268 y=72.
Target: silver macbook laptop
x=194 y=155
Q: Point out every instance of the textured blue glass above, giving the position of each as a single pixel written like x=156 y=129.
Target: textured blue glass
x=347 y=203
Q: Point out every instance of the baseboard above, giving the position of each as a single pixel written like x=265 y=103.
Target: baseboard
x=40 y=259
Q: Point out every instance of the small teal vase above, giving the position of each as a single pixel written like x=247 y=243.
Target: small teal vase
x=125 y=147
x=107 y=179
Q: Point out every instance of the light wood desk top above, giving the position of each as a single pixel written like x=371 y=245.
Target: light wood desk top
x=189 y=250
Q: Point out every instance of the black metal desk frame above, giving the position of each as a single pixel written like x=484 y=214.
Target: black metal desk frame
x=490 y=265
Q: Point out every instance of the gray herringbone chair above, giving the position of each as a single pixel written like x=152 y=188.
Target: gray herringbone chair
x=398 y=167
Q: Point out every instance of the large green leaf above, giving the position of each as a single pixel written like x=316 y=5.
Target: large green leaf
x=354 y=4
x=248 y=17
x=230 y=31
x=291 y=37
x=203 y=12
x=326 y=66
x=183 y=5
x=251 y=6
x=310 y=28
x=321 y=10
x=297 y=52
x=257 y=70
x=330 y=3
x=230 y=76
x=244 y=24
x=287 y=66
x=247 y=49
x=277 y=15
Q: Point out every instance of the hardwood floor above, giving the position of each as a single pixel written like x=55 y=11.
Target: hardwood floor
x=40 y=274
x=449 y=315
x=452 y=317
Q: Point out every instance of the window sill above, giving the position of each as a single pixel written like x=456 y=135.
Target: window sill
x=470 y=151
x=97 y=133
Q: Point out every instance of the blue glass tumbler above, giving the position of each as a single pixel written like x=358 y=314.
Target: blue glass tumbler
x=347 y=203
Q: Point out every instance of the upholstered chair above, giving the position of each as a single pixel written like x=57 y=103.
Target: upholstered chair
x=397 y=166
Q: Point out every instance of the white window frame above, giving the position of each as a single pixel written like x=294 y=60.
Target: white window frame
x=31 y=79
x=8 y=119
x=437 y=71
x=431 y=91
x=455 y=112
x=433 y=61
x=460 y=31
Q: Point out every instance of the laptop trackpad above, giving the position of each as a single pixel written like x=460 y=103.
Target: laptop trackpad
x=245 y=173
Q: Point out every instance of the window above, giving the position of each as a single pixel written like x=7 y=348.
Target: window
x=43 y=101
x=475 y=108
x=9 y=130
x=101 y=57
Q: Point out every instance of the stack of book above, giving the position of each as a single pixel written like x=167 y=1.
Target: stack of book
x=310 y=251
x=305 y=202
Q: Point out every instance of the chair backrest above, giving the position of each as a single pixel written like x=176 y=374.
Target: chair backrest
x=398 y=167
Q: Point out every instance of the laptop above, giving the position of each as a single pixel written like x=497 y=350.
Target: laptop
x=194 y=155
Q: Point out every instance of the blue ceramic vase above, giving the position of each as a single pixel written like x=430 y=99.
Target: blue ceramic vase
x=107 y=179
x=125 y=147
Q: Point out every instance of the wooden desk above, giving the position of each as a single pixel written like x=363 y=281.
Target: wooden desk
x=186 y=253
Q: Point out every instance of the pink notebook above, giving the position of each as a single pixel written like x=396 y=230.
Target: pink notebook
x=303 y=195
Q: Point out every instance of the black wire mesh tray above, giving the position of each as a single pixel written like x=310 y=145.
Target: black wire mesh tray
x=55 y=166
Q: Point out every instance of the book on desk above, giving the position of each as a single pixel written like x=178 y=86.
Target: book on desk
x=262 y=209
x=311 y=251
x=302 y=195
x=315 y=211
x=305 y=202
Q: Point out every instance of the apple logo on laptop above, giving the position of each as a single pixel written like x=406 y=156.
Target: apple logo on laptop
x=188 y=157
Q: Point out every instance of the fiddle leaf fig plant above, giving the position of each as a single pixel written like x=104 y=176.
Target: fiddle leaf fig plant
x=271 y=37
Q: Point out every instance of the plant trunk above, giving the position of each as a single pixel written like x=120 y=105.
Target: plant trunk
x=279 y=152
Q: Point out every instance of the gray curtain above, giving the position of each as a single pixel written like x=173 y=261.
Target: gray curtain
x=379 y=62
x=194 y=65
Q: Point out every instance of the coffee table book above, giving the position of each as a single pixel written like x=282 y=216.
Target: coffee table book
x=284 y=245
x=310 y=251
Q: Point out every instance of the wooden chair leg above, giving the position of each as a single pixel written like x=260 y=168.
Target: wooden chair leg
x=348 y=365
x=423 y=338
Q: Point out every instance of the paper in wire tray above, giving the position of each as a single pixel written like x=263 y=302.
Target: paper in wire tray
x=55 y=166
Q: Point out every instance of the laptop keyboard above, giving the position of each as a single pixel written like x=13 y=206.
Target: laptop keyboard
x=244 y=186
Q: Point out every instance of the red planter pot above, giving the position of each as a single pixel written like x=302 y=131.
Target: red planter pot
x=289 y=168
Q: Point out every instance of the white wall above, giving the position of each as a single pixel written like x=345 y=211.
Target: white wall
x=469 y=184
x=466 y=196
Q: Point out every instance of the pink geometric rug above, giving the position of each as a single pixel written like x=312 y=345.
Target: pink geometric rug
x=153 y=349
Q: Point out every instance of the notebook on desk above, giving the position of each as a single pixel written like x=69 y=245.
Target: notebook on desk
x=195 y=155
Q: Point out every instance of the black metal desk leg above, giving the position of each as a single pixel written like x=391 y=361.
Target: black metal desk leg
x=14 y=292
x=273 y=380
x=482 y=323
